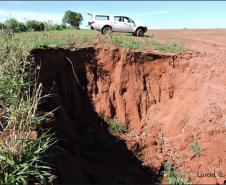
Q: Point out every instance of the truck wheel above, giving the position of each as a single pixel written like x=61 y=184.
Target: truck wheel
x=140 y=32
x=106 y=30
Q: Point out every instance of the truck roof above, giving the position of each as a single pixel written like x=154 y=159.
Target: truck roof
x=91 y=14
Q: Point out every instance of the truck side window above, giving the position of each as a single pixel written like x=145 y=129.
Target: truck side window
x=102 y=17
x=118 y=18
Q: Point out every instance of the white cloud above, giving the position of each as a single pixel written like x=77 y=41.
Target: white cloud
x=22 y=16
x=151 y=13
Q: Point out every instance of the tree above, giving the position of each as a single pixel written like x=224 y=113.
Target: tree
x=35 y=25
x=22 y=27
x=72 y=18
x=13 y=25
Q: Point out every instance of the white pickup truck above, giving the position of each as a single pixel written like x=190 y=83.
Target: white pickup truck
x=114 y=23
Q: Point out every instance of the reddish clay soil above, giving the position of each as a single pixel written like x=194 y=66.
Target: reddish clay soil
x=198 y=108
x=165 y=100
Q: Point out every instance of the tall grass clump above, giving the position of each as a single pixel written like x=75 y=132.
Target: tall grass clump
x=195 y=147
x=116 y=126
x=22 y=152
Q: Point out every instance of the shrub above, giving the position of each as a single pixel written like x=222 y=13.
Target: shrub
x=35 y=25
x=116 y=126
x=22 y=27
x=58 y=27
x=173 y=176
x=12 y=24
x=195 y=147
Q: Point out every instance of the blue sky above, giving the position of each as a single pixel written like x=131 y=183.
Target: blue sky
x=155 y=14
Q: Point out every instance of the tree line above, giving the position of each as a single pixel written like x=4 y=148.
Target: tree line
x=70 y=19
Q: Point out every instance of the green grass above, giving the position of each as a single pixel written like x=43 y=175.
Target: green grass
x=69 y=37
x=144 y=43
x=195 y=148
x=116 y=126
x=82 y=38
x=21 y=155
x=128 y=42
x=27 y=167
x=172 y=47
x=173 y=176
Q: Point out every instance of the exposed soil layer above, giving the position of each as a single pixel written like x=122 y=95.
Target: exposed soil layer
x=200 y=106
x=90 y=153
x=166 y=101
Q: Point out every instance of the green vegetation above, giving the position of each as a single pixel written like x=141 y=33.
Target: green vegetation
x=69 y=37
x=80 y=38
x=116 y=126
x=172 y=47
x=195 y=147
x=58 y=27
x=129 y=42
x=34 y=25
x=72 y=18
x=2 y=26
x=13 y=25
x=23 y=163
x=31 y=25
x=143 y=43
x=21 y=152
x=173 y=176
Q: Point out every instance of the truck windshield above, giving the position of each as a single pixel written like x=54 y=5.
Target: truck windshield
x=130 y=20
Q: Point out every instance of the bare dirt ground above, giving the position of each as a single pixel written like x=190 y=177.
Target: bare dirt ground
x=169 y=102
x=204 y=40
x=197 y=110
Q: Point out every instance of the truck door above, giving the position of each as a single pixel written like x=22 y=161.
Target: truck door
x=118 y=24
x=129 y=24
x=122 y=24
